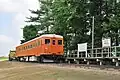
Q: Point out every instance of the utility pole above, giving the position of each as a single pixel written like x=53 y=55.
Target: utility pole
x=93 y=34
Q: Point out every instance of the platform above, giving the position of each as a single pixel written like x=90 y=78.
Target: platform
x=101 y=56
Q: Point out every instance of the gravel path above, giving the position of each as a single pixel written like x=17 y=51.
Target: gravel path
x=35 y=71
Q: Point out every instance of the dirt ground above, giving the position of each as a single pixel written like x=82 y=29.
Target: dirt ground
x=36 y=71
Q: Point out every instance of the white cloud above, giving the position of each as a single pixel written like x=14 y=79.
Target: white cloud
x=5 y=39
x=6 y=43
x=17 y=5
x=20 y=10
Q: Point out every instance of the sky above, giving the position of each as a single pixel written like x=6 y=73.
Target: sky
x=13 y=14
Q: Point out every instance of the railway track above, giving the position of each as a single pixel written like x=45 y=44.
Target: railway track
x=102 y=67
x=85 y=66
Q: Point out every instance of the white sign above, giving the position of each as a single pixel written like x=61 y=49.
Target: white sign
x=82 y=47
x=106 y=42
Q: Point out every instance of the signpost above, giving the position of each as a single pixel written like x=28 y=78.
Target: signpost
x=106 y=42
x=82 y=48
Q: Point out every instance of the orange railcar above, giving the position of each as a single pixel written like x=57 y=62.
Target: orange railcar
x=46 y=46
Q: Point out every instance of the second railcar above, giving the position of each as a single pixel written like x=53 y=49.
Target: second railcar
x=12 y=55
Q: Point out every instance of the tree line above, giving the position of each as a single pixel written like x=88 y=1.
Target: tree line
x=73 y=20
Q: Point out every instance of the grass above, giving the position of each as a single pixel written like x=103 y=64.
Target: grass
x=3 y=58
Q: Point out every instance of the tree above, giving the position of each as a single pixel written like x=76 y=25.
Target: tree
x=70 y=21
x=29 y=32
x=73 y=20
x=114 y=23
x=44 y=15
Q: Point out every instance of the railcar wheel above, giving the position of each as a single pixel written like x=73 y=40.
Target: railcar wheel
x=40 y=59
x=10 y=59
x=28 y=58
x=56 y=59
x=19 y=59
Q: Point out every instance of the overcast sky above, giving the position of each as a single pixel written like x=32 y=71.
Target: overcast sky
x=13 y=13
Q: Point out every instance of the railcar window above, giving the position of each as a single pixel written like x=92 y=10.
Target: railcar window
x=38 y=43
x=34 y=44
x=26 y=47
x=31 y=46
x=47 y=41
x=19 y=49
x=53 y=42
x=59 y=42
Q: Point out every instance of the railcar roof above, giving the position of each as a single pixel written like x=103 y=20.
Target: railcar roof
x=45 y=35
x=51 y=35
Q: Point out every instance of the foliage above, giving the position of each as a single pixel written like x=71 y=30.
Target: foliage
x=44 y=16
x=29 y=32
x=73 y=20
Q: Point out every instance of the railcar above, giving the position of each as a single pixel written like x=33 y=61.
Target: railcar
x=47 y=46
x=12 y=55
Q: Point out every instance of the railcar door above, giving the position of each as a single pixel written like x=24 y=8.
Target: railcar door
x=47 y=48
x=53 y=46
x=60 y=46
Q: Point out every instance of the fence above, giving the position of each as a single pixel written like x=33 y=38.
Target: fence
x=108 y=52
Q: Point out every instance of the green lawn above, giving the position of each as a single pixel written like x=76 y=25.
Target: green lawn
x=3 y=58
